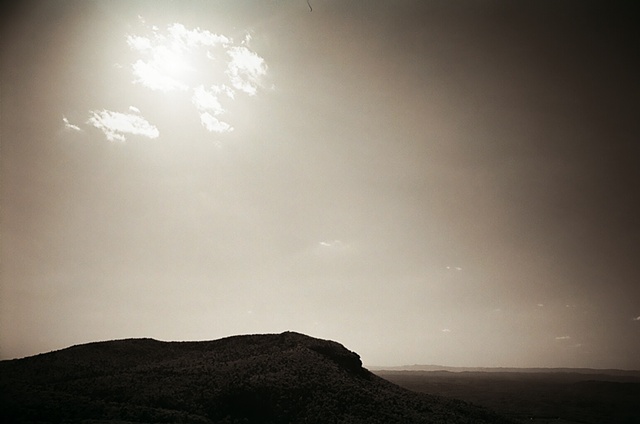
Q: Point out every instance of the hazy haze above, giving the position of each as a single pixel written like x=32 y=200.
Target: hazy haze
x=450 y=182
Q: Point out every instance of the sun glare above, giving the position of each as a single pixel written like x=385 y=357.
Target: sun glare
x=174 y=63
x=209 y=68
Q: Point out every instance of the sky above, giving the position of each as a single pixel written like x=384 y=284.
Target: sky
x=423 y=181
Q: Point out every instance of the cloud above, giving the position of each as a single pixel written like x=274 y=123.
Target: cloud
x=188 y=60
x=454 y=268
x=335 y=244
x=195 y=37
x=446 y=330
x=213 y=124
x=115 y=125
x=153 y=76
x=167 y=58
x=637 y=318
x=563 y=338
x=334 y=248
x=245 y=69
x=208 y=104
x=70 y=126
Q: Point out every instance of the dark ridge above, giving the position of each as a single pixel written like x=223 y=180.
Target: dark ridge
x=269 y=378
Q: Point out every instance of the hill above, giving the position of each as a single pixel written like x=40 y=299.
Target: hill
x=272 y=378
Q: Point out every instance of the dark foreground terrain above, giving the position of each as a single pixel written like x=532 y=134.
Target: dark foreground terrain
x=277 y=378
x=560 y=397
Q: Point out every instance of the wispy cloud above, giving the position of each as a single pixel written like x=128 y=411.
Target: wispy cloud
x=563 y=338
x=637 y=318
x=69 y=125
x=116 y=125
x=333 y=244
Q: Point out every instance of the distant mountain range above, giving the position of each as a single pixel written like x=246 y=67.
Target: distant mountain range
x=432 y=368
x=271 y=378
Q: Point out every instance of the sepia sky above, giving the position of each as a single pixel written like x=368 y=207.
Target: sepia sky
x=424 y=181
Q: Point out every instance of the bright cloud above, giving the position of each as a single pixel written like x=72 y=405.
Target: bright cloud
x=157 y=77
x=207 y=100
x=116 y=125
x=245 y=69
x=195 y=37
x=637 y=318
x=213 y=124
x=182 y=59
x=208 y=104
x=563 y=338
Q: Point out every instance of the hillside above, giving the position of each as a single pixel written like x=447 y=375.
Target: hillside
x=274 y=378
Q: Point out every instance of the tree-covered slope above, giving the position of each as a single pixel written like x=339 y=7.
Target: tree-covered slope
x=274 y=378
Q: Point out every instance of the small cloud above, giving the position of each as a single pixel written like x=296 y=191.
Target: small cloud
x=207 y=100
x=213 y=124
x=134 y=109
x=454 y=268
x=637 y=318
x=116 y=125
x=70 y=126
x=446 y=330
x=540 y=305
x=209 y=107
x=196 y=37
x=245 y=69
x=563 y=338
x=332 y=249
x=332 y=243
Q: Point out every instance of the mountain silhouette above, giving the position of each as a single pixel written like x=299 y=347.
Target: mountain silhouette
x=269 y=378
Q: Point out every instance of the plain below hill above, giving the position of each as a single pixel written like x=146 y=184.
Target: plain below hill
x=272 y=378
x=537 y=396
x=597 y=373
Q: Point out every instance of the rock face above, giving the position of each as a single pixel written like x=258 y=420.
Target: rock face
x=272 y=378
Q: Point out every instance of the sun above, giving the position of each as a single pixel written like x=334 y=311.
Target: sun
x=209 y=68
x=164 y=66
x=174 y=62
